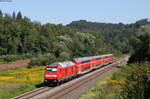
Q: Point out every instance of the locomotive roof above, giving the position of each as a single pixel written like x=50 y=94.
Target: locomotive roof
x=97 y=56
x=66 y=64
x=108 y=55
x=70 y=63
x=82 y=59
x=90 y=57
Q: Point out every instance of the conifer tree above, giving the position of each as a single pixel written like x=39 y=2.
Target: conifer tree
x=19 y=15
x=1 y=14
x=14 y=15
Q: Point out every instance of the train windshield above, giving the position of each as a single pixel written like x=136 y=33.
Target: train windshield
x=51 y=69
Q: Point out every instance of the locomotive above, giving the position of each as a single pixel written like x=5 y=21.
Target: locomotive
x=62 y=71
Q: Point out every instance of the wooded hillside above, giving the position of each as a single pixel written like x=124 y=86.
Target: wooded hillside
x=20 y=35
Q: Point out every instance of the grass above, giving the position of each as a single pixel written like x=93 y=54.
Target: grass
x=16 y=81
x=2 y=61
x=98 y=91
x=131 y=81
x=109 y=87
x=9 y=92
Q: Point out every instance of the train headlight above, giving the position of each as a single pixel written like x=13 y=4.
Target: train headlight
x=53 y=75
x=54 y=69
x=50 y=75
x=47 y=75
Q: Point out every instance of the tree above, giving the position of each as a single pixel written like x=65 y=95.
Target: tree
x=141 y=45
x=141 y=22
x=137 y=83
x=1 y=14
x=19 y=16
x=14 y=15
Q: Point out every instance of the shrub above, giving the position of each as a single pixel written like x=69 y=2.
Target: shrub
x=10 y=58
x=137 y=84
x=123 y=73
x=64 y=55
x=42 y=60
x=28 y=55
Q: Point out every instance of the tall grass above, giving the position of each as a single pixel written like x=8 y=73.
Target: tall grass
x=23 y=79
x=130 y=82
x=104 y=89
x=9 y=92
x=109 y=87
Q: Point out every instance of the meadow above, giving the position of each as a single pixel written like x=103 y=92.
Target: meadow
x=16 y=81
x=109 y=87
x=131 y=81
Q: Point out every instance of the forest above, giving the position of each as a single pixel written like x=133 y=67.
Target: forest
x=51 y=42
x=21 y=36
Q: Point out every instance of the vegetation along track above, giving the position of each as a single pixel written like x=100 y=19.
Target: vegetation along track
x=69 y=88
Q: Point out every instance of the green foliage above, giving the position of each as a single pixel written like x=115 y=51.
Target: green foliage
x=104 y=89
x=10 y=58
x=137 y=83
x=132 y=81
x=14 y=15
x=19 y=16
x=118 y=35
x=20 y=35
x=42 y=60
x=1 y=14
x=64 y=55
x=141 y=45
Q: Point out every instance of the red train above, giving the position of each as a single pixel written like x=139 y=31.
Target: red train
x=61 y=71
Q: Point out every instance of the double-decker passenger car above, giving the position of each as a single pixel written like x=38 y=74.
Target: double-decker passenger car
x=61 y=71
x=83 y=64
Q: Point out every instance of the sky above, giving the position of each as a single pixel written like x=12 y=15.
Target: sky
x=66 y=11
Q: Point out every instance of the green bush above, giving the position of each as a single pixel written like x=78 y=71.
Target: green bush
x=123 y=73
x=28 y=55
x=41 y=60
x=64 y=55
x=10 y=58
x=137 y=83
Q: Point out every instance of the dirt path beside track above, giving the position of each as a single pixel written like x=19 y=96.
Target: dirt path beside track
x=16 y=64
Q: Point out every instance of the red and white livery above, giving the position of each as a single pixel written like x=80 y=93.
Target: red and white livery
x=61 y=71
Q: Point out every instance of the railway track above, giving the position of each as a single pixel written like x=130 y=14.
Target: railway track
x=66 y=88
x=33 y=93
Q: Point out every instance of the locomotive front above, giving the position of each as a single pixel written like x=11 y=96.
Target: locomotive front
x=51 y=74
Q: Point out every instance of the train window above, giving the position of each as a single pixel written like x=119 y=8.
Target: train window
x=98 y=58
x=51 y=69
x=85 y=61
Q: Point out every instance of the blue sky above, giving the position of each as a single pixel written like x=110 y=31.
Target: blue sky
x=65 y=11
